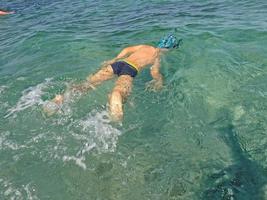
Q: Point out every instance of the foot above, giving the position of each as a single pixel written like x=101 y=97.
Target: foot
x=116 y=117
x=58 y=99
x=51 y=107
x=115 y=108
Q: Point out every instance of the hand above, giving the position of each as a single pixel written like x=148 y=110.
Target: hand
x=6 y=13
x=154 y=85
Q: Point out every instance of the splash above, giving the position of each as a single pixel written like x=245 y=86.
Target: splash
x=2 y=88
x=30 y=97
x=97 y=126
x=97 y=134
x=5 y=143
x=79 y=159
x=12 y=191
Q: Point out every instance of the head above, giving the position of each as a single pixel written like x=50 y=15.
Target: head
x=169 y=42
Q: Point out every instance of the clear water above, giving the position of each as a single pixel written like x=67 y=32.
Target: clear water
x=202 y=137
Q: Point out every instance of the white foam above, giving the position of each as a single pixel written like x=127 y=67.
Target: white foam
x=97 y=134
x=22 y=78
x=5 y=143
x=30 y=97
x=94 y=132
x=12 y=191
x=97 y=126
x=238 y=112
x=80 y=158
x=2 y=88
x=30 y=192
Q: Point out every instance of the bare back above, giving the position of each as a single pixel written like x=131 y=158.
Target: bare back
x=142 y=55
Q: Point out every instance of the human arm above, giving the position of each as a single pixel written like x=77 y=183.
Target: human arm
x=5 y=13
x=157 y=82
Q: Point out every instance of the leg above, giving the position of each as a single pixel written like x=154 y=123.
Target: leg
x=93 y=80
x=121 y=90
x=103 y=74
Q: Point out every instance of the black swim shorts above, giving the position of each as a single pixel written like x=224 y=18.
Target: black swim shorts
x=124 y=68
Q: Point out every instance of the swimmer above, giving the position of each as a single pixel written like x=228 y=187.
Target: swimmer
x=128 y=63
x=5 y=12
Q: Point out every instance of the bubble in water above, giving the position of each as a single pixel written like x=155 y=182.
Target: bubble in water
x=99 y=127
x=238 y=112
x=50 y=107
x=97 y=133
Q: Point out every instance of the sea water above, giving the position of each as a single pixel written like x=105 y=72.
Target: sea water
x=203 y=136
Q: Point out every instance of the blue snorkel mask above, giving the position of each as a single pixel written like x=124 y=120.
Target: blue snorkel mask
x=169 y=41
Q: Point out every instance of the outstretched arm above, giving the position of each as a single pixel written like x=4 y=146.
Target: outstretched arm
x=157 y=81
x=5 y=13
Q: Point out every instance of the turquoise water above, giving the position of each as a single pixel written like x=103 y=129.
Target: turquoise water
x=203 y=136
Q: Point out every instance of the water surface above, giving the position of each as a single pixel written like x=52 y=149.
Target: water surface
x=203 y=136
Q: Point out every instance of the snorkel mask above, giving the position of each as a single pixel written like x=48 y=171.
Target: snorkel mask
x=169 y=41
